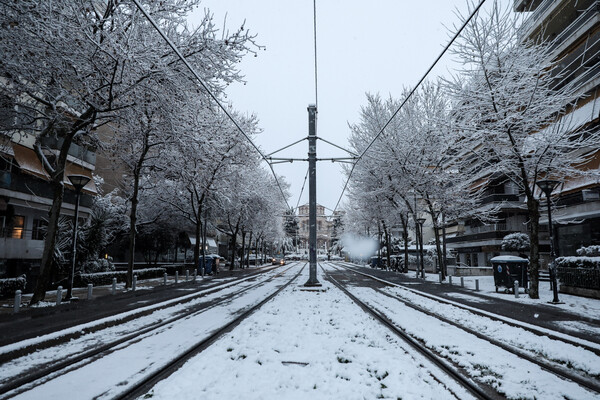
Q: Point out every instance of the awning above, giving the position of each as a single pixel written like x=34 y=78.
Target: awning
x=74 y=169
x=209 y=241
x=29 y=162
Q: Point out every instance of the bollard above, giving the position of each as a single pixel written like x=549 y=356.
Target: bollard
x=176 y=276
x=114 y=287
x=90 y=291
x=477 y=285
x=17 y=301
x=165 y=279
x=187 y=275
x=440 y=274
x=134 y=283
x=450 y=280
x=58 y=295
x=462 y=282
x=195 y=275
x=516 y=289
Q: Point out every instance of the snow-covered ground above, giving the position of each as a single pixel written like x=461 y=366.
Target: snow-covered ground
x=318 y=344
x=309 y=344
x=109 y=375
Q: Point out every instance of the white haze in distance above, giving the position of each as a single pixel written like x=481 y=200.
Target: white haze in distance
x=359 y=246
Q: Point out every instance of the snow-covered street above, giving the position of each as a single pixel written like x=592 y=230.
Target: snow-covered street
x=316 y=343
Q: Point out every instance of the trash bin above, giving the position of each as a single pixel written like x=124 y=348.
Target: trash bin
x=508 y=269
x=375 y=262
x=207 y=267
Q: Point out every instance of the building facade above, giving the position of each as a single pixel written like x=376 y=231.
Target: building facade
x=26 y=197
x=573 y=26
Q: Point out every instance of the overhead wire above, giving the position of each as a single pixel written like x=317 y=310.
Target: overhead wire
x=315 y=40
x=360 y=156
x=302 y=190
x=215 y=99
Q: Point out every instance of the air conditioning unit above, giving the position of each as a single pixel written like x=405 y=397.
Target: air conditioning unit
x=590 y=195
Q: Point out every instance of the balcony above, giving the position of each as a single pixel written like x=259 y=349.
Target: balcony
x=499 y=197
x=18 y=243
x=589 y=17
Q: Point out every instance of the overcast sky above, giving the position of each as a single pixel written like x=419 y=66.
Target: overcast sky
x=377 y=46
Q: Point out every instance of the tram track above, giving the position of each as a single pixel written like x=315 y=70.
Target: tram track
x=477 y=391
x=574 y=341
x=546 y=364
x=27 y=381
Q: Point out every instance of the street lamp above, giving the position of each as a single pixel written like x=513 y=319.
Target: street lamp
x=78 y=182
x=547 y=186
x=421 y=221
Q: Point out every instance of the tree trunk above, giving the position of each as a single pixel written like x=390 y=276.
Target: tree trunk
x=387 y=244
x=197 y=235
x=243 y=252
x=233 y=246
x=534 y=251
x=405 y=239
x=47 y=265
x=248 y=252
x=132 y=224
x=84 y=121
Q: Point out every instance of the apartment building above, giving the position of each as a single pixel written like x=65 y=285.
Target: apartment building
x=574 y=28
x=26 y=196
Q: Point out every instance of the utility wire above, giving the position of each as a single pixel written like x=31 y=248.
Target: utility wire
x=315 y=37
x=407 y=98
x=216 y=100
x=302 y=190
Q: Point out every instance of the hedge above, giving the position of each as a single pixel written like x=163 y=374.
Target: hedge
x=578 y=262
x=106 y=278
x=9 y=286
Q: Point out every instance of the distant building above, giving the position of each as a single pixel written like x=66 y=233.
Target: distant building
x=324 y=228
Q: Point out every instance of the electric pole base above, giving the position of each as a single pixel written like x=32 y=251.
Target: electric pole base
x=310 y=283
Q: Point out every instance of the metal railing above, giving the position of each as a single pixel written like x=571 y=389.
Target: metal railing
x=586 y=278
x=20 y=233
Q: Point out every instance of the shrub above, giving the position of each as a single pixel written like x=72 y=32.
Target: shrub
x=590 y=251
x=516 y=242
x=9 y=286
x=578 y=262
x=105 y=278
x=99 y=265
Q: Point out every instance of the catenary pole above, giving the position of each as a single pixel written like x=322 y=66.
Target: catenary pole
x=312 y=195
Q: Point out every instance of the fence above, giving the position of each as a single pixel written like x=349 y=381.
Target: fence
x=586 y=278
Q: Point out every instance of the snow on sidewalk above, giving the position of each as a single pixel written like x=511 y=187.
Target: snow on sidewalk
x=308 y=344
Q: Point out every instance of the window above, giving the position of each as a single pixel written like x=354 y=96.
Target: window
x=18 y=227
x=39 y=229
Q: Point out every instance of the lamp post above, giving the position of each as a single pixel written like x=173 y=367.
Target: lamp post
x=547 y=186
x=421 y=221
x=78 y=182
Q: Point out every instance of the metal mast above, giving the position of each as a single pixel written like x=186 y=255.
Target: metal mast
x=312 y=195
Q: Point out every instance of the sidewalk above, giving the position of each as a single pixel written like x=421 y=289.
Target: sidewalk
x=46 y=317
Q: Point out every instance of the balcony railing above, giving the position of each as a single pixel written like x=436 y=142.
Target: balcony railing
x=533 y=19
x=587 y=15
x=20 y=233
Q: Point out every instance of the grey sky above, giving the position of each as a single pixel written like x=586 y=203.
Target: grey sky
x=363 y=46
